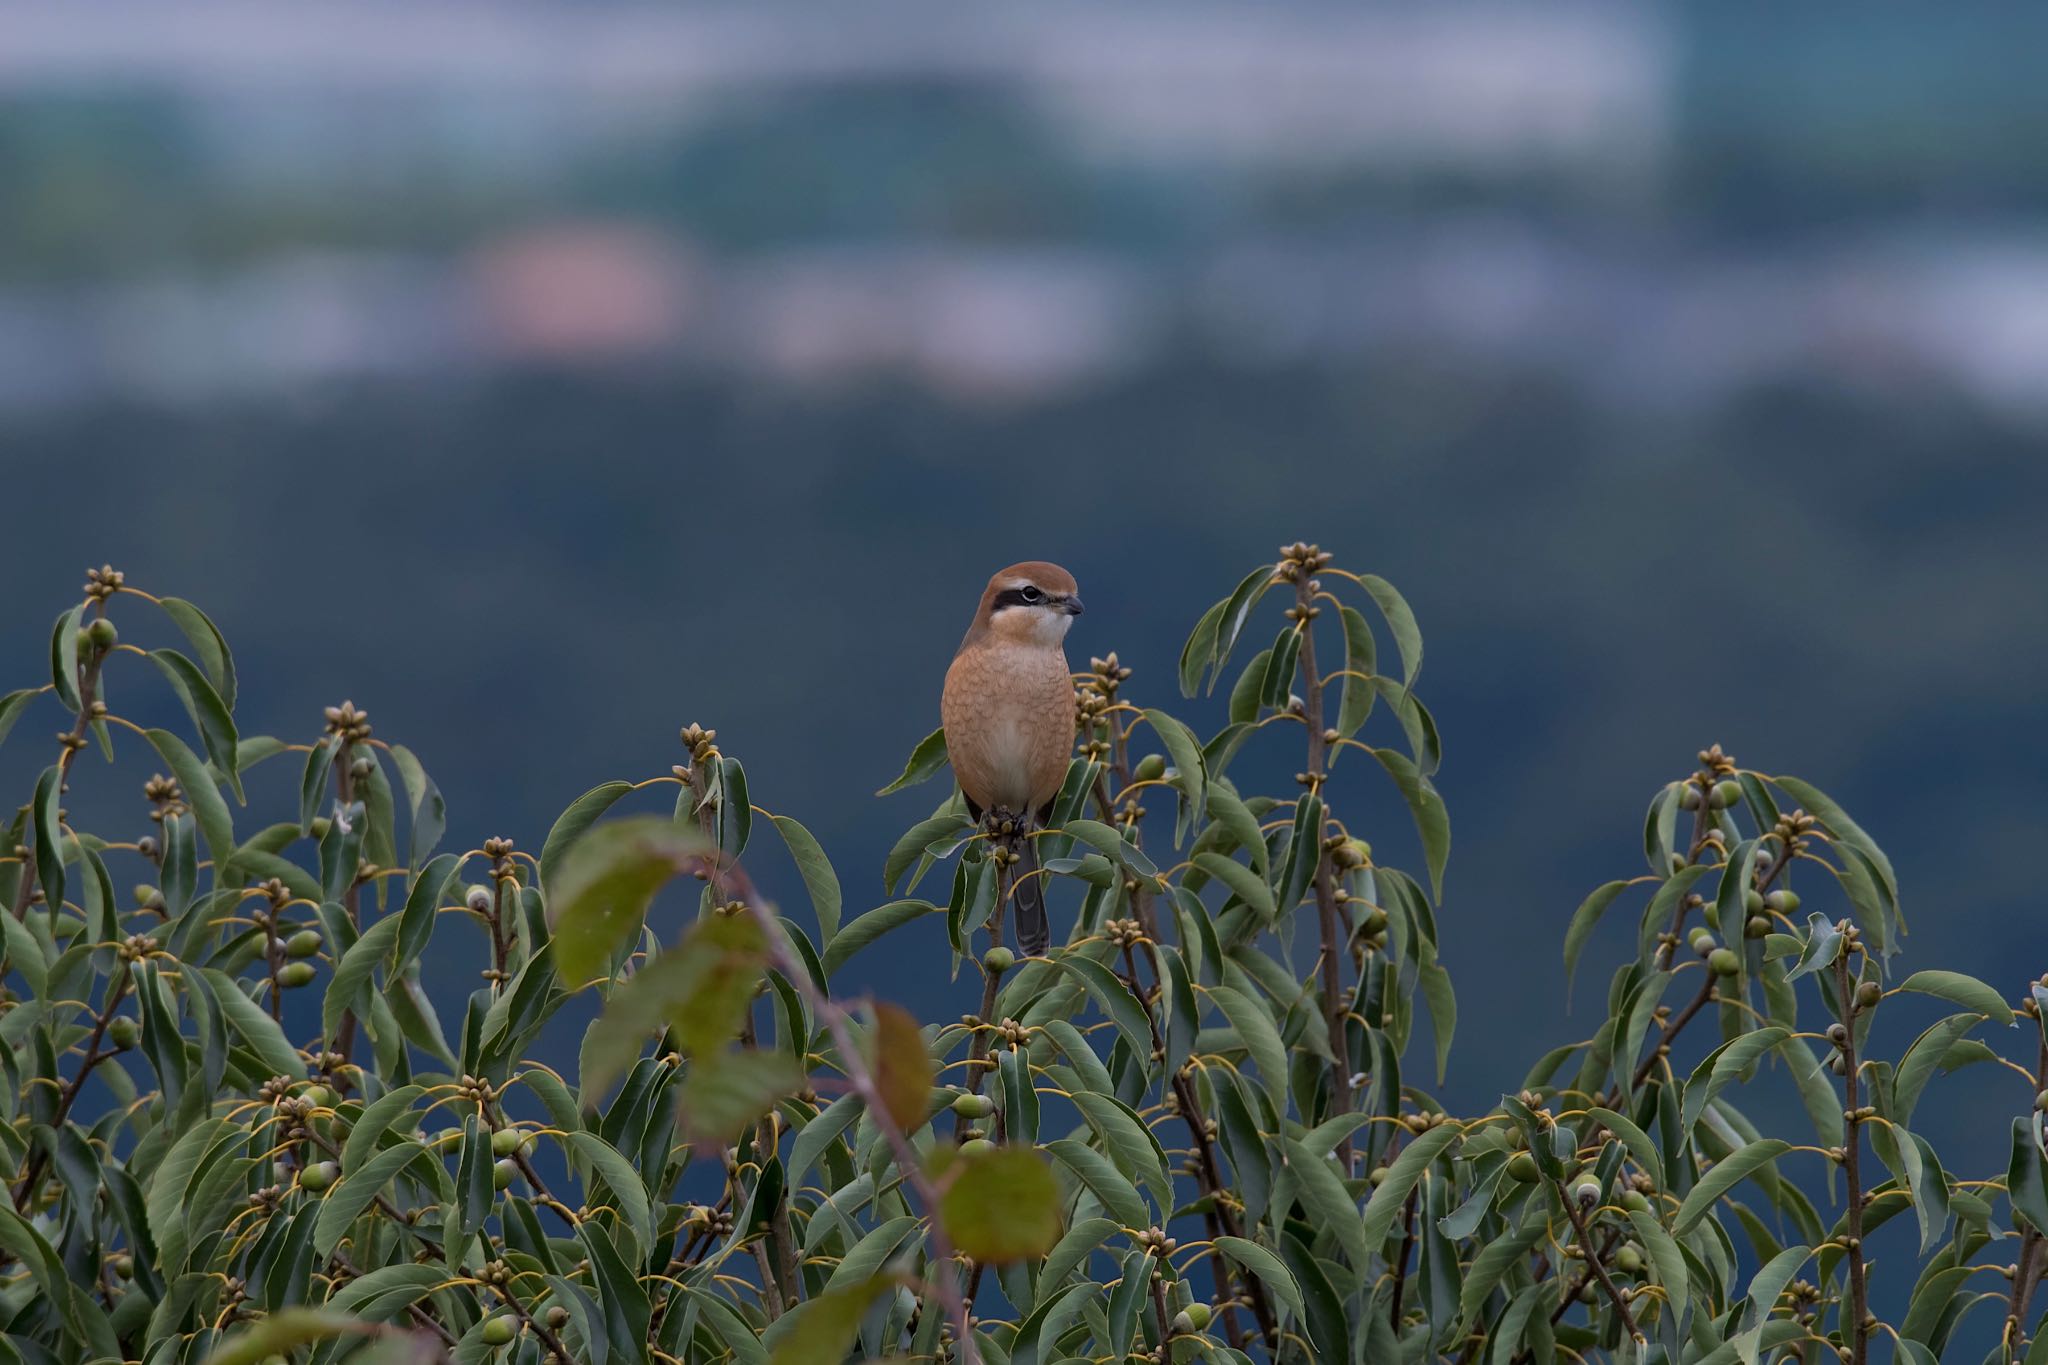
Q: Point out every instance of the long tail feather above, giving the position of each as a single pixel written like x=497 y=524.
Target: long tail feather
x=1034 y=933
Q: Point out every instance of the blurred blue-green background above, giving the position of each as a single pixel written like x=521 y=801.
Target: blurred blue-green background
x=543 y=377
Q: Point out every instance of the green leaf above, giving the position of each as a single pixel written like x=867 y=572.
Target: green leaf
x=1237 y=610
x=1837 y=822
x=865 y=929
x=1823 y=946
x=12 y=705
x=1736 y=1058
x=1432 y=821
x=1114 y=997
x=1330 y=1206
x=1923 y=1058
x=925 y=761
x=1129 y=1142
x=1640 y=1147
x=822 y=1330
x=209 y=713
x=429 y=810
x=1247 y=885
x=605 y=884
x=1112 y=845
x=1435 y=982
x=358 y=1189
x=207 y=643
x=1403 y=1175
x=1584 y=920
x=1723 y=1177
x=816 y=870
x=352 y=975
x=1190 y=771
x=618 y=1173
x=1959 y=989
x=1200 y=649
x=1270 y=1269
x=1665 y=1257
x=1360 y=663
x=582 y=813
x=64 y=659
x=1000 y=1206
x=1255 y=1029
x=50 y=835
x=946 y=829
x=282 y=1332
x=1400 y=621
x=1118 y=1197
x=1231 y=813
x=258 y=1030
x=2025 y=1182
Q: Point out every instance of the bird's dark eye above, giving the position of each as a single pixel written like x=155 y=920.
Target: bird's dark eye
x=1030 y=594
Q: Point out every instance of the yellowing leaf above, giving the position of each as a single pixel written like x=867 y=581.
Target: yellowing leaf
x=608 y=878
x=726 y=1091
x=1002 y=1205
x=903 y=1067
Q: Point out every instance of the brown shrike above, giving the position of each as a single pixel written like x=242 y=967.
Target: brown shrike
x=1008 y=710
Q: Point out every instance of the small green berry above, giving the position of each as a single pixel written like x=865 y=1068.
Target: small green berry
x=503 y=1173
x=320 y=1095
x=1150 y=768
x=1522 y=1167
x=1375 y=922
x=1724 y=795
x=1689 y=797
x=1629 y=1260
x=1783 y=901
x=1378 y=1176
x=973 y=1106
x=507 y=1141
x=1635 y=1201
x=1724 y=962
x=1756 y=927
x=1198 y=1313
x=1183 y=1325
x=124 y=1032
x=1868 y=994
x=1588 y=1193
x=998 y=960
x=319 y=1176
x=976 y=1147
x=1703 y=941
x=318 y=829
x=558 y=1317
x=295 y=974
x=146 y=895
x=500 y=1330
x=1752 y=902
x=103 y=634
x=122 y=1264
x=304 y=943
x=1678 y=863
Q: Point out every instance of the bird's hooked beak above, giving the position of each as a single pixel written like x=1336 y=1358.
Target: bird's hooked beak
x=1071 y=605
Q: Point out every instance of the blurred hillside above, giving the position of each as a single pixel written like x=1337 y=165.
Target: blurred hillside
x=545 y=378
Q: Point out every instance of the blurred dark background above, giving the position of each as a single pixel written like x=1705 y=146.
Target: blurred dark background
x=544 y=377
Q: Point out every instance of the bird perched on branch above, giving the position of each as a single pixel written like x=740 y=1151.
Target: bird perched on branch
x=1008 y=709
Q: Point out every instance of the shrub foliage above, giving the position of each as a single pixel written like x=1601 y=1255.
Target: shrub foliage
x=251 y=1117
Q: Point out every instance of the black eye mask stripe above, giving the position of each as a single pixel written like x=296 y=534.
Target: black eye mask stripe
x=1014 y=597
